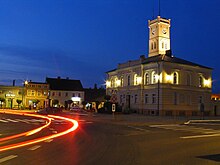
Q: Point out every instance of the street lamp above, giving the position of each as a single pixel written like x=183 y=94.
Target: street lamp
x=23 y=94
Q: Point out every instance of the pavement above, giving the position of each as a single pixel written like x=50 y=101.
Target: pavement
x=143 y=119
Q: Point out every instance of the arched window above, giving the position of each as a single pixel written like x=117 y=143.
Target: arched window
x=112 y=83
x=152 y=45
x=146 y=79
x=175 y=78
x=155 y=45
x=121 y=81
x=129 y=80
x=135 y=79
x=162 y=45
x=200 y=81
x=188 y=79
x=153 y=77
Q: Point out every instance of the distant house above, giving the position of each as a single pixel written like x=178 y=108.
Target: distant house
x=95 y=97
x=65 y=92
x=9 y=95
x=36 y=95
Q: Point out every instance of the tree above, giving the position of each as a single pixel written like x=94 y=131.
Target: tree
x=69 y=102
x=84 y=104
x=107 y=97
x=2 y=100
x=35 y=102
x=19 y=102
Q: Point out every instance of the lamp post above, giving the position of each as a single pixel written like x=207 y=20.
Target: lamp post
x=23 y=92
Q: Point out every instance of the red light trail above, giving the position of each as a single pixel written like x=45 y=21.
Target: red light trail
x=37 y=140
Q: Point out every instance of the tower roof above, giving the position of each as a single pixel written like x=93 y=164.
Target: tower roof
x=171 y=59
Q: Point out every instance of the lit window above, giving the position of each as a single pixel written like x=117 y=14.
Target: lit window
x=135 y=80
x=200 y=81
x=122 y=82
x=153 y=77
x=146 y=79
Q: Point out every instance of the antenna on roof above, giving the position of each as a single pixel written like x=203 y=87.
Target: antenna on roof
x=159 y=7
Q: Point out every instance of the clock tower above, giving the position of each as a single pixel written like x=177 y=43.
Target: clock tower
x=159 y=36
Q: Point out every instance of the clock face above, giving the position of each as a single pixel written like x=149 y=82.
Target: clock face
x=164 y=31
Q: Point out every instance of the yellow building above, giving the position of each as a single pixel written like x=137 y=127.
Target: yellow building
x=36 y=95
x=161 y=84
x=9 y=96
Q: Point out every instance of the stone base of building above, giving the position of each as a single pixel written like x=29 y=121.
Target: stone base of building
x=174 y=113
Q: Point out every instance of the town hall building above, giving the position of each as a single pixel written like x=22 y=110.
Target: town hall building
x=161 y=84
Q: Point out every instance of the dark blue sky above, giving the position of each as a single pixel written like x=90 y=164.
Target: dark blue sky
x=82 y=39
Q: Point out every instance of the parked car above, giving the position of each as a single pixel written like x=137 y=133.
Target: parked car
x=75 y=109
x=49 y=110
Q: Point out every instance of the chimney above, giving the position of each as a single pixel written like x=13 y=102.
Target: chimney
x=142 y=58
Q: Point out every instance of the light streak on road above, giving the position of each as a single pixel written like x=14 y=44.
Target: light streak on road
x=28 y=133
x=37 y=140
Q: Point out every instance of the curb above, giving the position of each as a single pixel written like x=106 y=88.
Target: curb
x=201 y=121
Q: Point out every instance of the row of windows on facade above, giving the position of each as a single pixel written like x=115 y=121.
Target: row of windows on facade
x=154 y=79
x=152 y=99
x=44 y=93
x=36 y=86
x=154 y=45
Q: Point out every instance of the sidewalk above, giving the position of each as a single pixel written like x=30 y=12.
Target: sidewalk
x=140 y=119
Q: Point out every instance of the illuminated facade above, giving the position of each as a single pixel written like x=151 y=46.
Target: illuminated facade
x=64 y=90
x=10 y=95
x=161 y=84
x=36 y=95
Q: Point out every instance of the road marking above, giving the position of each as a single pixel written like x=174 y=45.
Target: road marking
x=8 y=158
x=163 y=125
x=88 y=122
x=14 y=121
x=140 y=129
x=34 y=148
x=199 y=136
x=48 y=141
x=23 y=120
x=3 y=121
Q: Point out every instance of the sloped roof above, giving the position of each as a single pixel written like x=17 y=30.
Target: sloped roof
x=171 y=59
x=64 y=84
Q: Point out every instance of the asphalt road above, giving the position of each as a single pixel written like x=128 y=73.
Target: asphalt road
x=102 y=139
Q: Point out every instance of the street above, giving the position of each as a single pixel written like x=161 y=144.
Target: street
x=121 y=140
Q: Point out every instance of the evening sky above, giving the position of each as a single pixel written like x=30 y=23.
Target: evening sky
x=82 y=39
